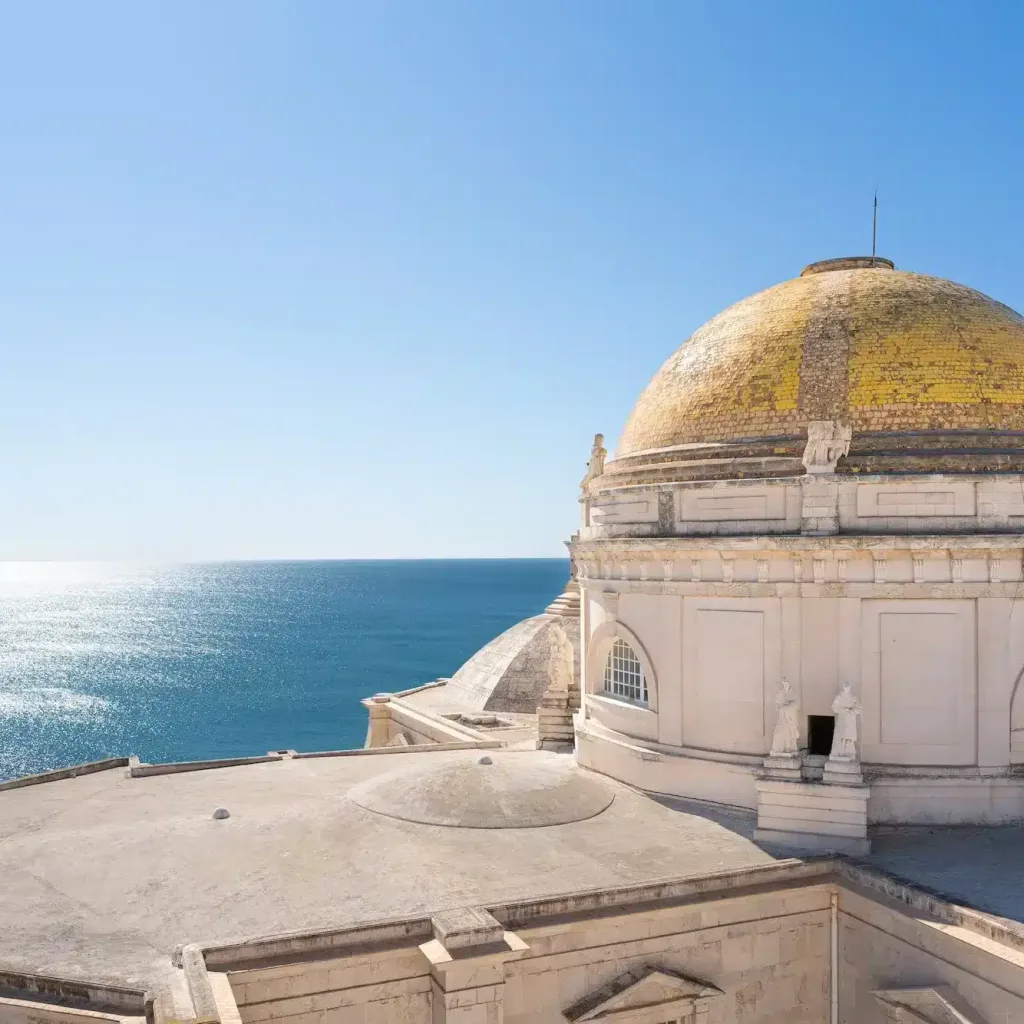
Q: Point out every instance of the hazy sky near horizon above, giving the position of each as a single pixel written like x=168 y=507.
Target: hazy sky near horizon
x=338 y=279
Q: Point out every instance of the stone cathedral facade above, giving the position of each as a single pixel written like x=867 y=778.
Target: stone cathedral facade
x=762 y=762
x=823 y=485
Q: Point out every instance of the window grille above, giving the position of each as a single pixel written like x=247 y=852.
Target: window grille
x=623 y=673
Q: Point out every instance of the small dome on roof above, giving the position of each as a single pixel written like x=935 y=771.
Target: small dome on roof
x=511 y=672
x=514 y=789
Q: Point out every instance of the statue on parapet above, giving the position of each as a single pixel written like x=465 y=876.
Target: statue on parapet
x=843 y=765
x=844 y=740
x=786 y=738
x=783 y=760
x=560 y=661
x=554 y=714
x=827 y=442
x=595 y=467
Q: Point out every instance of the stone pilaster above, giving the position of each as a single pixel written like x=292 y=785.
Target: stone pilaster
x=819 y=506
x=379 y=714
x=467 y=958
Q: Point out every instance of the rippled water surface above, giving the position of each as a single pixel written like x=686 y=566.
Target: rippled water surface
x=196 y=661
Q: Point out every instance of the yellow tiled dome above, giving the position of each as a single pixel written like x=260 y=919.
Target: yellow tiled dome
x=852 y=340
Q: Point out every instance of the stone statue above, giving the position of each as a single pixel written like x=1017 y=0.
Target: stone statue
x=844 y=739
x=595 y=467
x=827 y=442
x=574 y=569
x=554 y=714
x=786 y=738
x=560 y=662
x=840 y=443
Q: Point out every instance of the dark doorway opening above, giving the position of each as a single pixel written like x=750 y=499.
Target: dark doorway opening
x=819 y=734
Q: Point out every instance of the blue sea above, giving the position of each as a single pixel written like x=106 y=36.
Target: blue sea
x=189 y=662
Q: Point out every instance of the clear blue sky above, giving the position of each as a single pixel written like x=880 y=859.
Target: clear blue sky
x=332 y=279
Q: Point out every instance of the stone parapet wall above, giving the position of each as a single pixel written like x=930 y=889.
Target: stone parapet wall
x=810 y=505
x=805 y=942
x=879 y=943
x=792 y=942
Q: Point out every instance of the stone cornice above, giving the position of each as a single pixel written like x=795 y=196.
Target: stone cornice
x=611 y=484
x=663 y=547
x=902 y=591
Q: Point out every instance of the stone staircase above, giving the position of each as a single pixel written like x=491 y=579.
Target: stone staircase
x=567 y=603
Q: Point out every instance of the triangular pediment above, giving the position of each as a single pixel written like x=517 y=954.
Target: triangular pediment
x=938 y=1004
x=631 y=995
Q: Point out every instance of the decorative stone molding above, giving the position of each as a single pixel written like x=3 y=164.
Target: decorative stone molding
x=646 y=995
x=956 y=567
x=601 y=641
x=995 y=568
x=880 y=565
x=638 y=565
x=814 y=504
x=938 y=1004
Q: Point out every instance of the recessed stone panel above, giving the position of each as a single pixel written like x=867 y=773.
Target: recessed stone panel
x=731 y=649
x=919 y=689
x=631 y=510
x=902 y=499
x=732 y=503
x=921 y=664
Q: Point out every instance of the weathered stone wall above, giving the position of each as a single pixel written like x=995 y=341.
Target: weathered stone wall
x=379 y=987
x=749 y=950
x=768 y=955
x=881 y=947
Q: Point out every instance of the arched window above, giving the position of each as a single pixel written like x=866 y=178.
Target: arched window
x=623 y=673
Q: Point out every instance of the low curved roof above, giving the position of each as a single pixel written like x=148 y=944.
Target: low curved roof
x=102 y=876
x=511 y=672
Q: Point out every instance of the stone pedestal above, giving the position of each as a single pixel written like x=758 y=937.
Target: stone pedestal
x=819 y=508
x=842 y=773
x=554 y=721
x=813 y=816
x=783 y=766
x=379 y=715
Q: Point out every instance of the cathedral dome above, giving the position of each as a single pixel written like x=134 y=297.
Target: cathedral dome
x=924 y=371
